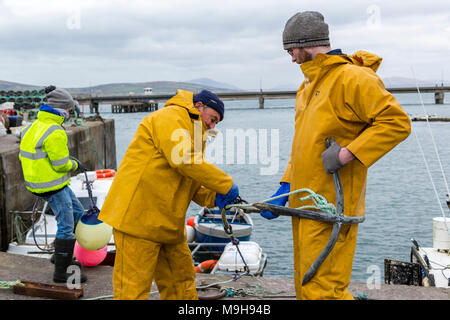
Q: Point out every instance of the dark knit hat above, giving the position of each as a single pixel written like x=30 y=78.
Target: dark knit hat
x=305 y=29
x=60 y=99
x=211 y=100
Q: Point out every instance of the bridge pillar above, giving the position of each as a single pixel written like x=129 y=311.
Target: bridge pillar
x=261 y=102
x=93 y=107
x=439 y=97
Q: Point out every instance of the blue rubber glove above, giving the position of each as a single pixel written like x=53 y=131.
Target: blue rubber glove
x=223 y=199
x=284 y=188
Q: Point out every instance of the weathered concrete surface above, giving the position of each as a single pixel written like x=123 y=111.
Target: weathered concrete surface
x=99 y=284
x=93 y=143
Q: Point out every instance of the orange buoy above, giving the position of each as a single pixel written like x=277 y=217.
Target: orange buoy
x=105 y=173
x=206 y=266
x=190 y=221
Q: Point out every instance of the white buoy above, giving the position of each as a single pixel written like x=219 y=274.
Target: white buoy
x=190 y=234
x=91 y=233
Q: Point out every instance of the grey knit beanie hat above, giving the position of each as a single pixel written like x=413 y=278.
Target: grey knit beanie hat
x=305 y=29
x=60 y=99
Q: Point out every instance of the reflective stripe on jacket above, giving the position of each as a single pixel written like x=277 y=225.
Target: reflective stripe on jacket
x=44 y=154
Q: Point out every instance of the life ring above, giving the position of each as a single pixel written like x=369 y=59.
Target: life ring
x=190 y=221
x=105 y=173
x=206 y=266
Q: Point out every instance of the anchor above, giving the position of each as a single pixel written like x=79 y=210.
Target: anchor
x=337 y=219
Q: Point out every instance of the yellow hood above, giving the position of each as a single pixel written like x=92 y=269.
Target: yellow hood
x=366 y=59
x=184 y=99
x=322 y=62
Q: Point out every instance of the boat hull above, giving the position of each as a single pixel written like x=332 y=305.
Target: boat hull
x=209 y=227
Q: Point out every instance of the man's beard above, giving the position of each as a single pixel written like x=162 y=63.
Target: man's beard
x=305 y=56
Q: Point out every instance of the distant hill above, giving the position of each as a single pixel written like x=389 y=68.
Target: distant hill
x=158 y=87
x=6 y=85
x=214 y=84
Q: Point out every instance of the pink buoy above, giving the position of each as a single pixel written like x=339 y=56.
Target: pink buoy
x=89 y=258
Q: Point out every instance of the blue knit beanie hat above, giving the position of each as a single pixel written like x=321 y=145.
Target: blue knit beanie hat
x=211 y=100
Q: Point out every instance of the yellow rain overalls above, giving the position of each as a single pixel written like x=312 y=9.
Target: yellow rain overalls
x=341 y=97
x=162 y=171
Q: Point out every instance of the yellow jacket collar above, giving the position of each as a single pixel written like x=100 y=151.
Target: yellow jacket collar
x=185 y=99
x=45 y=116
x=311 y=69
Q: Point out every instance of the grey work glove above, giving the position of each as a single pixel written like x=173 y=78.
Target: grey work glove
x=330 y=158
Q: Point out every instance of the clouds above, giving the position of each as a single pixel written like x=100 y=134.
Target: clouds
x=80 y=43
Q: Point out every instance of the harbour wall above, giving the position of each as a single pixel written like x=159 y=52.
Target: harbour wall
x=92 y=142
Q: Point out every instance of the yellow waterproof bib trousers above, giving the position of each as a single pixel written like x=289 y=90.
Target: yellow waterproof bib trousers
x=170 y=265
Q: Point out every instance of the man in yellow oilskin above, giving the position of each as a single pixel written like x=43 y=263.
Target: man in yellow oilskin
x=343 y=98
x=162 y=171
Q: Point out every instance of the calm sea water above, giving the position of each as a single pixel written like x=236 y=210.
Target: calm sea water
x=400 y=201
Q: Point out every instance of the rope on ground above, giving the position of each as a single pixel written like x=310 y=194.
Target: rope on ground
x=10 y=284
x=254 y=290
x=110 y=296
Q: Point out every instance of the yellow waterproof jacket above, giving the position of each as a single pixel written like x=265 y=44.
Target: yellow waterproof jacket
x=44 y=154
x=342 y=97
x=162 y=171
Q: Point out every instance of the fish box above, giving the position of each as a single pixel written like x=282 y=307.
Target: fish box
x=231 y=261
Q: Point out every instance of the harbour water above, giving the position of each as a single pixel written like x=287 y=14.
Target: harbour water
x=400 y=199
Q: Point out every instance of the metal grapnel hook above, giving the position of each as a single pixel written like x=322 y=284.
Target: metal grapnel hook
x=337 y=219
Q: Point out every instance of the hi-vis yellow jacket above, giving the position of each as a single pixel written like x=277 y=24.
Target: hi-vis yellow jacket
x=162 y=171
x=44 y=154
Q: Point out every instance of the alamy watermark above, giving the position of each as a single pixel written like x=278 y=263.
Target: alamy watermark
x=74 y=280
x=73 y=22
x=374 y=280
x=373 y=21
x=234 y=146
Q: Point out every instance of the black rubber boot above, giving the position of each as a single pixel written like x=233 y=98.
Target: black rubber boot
x=63 y=259
x=74 y=261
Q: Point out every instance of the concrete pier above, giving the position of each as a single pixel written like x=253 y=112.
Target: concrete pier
x=439 y=97
x=134 y=107
x=99 y=284
x=92 y=142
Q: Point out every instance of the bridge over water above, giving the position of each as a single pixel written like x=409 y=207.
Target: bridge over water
x=94 y=100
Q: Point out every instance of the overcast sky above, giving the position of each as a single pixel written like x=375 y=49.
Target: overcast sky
x=83 y=43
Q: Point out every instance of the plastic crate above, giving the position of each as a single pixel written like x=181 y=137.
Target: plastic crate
x=400 y=272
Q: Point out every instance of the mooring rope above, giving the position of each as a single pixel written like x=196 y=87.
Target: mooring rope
x=320 y=202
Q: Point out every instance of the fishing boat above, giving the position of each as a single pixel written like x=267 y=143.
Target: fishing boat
x=212 y=249
x=428 y=266
x=209 y=228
